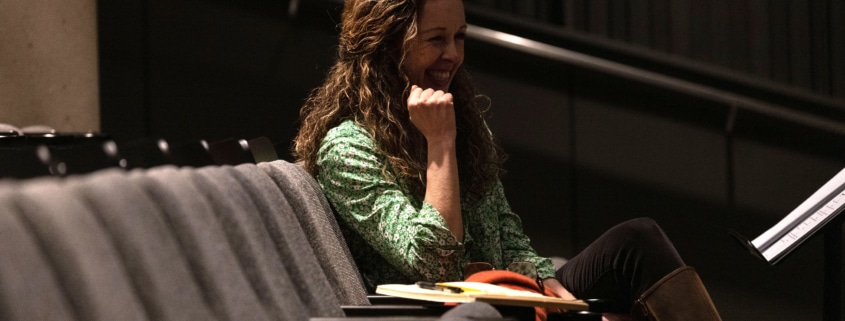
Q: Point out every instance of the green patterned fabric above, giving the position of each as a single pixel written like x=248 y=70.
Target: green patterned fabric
x=397 y=238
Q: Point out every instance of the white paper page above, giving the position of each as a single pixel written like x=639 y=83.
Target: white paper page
x=767 y=242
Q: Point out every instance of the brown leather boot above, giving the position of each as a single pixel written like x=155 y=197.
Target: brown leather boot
x=679 y=295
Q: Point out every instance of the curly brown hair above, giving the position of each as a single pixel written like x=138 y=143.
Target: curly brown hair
x=367 y=85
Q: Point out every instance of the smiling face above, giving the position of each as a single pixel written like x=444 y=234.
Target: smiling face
x=437 y=51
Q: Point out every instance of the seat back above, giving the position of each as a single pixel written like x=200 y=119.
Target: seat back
x=251 y=242
x=89 y=269
x=191 y=153
x=143 y=238
x=204 y=243
x=263 y=150
x=230 y=151
x=24 y=162
x=29 y=288
x=146 y=153
x=316 y=218
x=85 y=156
x=319 y=293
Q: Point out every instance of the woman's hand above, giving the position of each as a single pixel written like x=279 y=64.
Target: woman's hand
x=554 y=285
x=433 y=113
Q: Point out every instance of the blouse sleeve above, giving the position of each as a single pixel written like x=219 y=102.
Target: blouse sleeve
x=414 y=239
x=516 y=246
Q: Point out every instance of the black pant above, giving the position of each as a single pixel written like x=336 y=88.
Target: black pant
x=621 y=264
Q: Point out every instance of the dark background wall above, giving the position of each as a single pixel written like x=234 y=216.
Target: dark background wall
x=589 y=148
x=794 y=42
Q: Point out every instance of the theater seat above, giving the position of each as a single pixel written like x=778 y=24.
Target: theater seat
x=250 y=242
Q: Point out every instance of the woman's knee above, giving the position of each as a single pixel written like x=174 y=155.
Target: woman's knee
x=639 y=228
x=646 y=237
x=644 y=233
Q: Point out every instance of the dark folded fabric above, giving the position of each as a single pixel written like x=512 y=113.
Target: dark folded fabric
x=471 y=311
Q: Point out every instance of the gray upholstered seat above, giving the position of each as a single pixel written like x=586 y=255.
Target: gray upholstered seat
x=318 y=221
x=87 y=265
x=300 y=258
x=29 y=288
x=241 y=219
x=203 y=242
x=145 y=241
x=252 y=242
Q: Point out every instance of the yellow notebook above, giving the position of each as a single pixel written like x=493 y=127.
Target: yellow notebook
x=475 y=291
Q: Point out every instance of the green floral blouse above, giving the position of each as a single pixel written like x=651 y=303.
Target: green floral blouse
x=397 y=238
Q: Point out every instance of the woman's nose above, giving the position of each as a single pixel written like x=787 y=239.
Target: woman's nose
x=451 y=51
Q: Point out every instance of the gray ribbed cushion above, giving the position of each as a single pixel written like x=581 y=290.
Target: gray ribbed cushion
x=86 y=263
x=471 y=311
x=203 y=242
x=158 y=268
x=242 y=222
x=298 y=256
x=318 y=221
x=29 y=289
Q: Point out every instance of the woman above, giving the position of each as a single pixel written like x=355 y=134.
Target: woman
x=397 y=140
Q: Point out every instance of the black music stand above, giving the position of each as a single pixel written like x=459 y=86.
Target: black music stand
x=830 y=202
x=833 y=270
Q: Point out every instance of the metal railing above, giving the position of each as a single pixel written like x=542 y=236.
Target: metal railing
x=732 y=100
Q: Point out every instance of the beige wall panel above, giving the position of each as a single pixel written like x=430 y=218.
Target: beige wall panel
x=48 y=64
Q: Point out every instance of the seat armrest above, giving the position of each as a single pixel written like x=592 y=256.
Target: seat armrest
x=385 y=305
x=394 y=310
x=418 y=312
x=575 y=316
x=597 y=305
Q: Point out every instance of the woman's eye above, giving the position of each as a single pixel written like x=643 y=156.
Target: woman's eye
x=461 y=36
x=435 y=39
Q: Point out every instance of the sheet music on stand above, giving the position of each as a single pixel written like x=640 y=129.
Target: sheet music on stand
x=799 y=225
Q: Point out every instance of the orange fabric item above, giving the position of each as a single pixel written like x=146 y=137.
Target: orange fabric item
x=513 y=280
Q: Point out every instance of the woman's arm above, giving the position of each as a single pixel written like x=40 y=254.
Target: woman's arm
x=514 y=244
x=433 y=113
x=411 y=235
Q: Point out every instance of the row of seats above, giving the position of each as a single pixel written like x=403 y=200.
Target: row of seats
x=196 y=231
x=27 y=155
x=246 y=242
